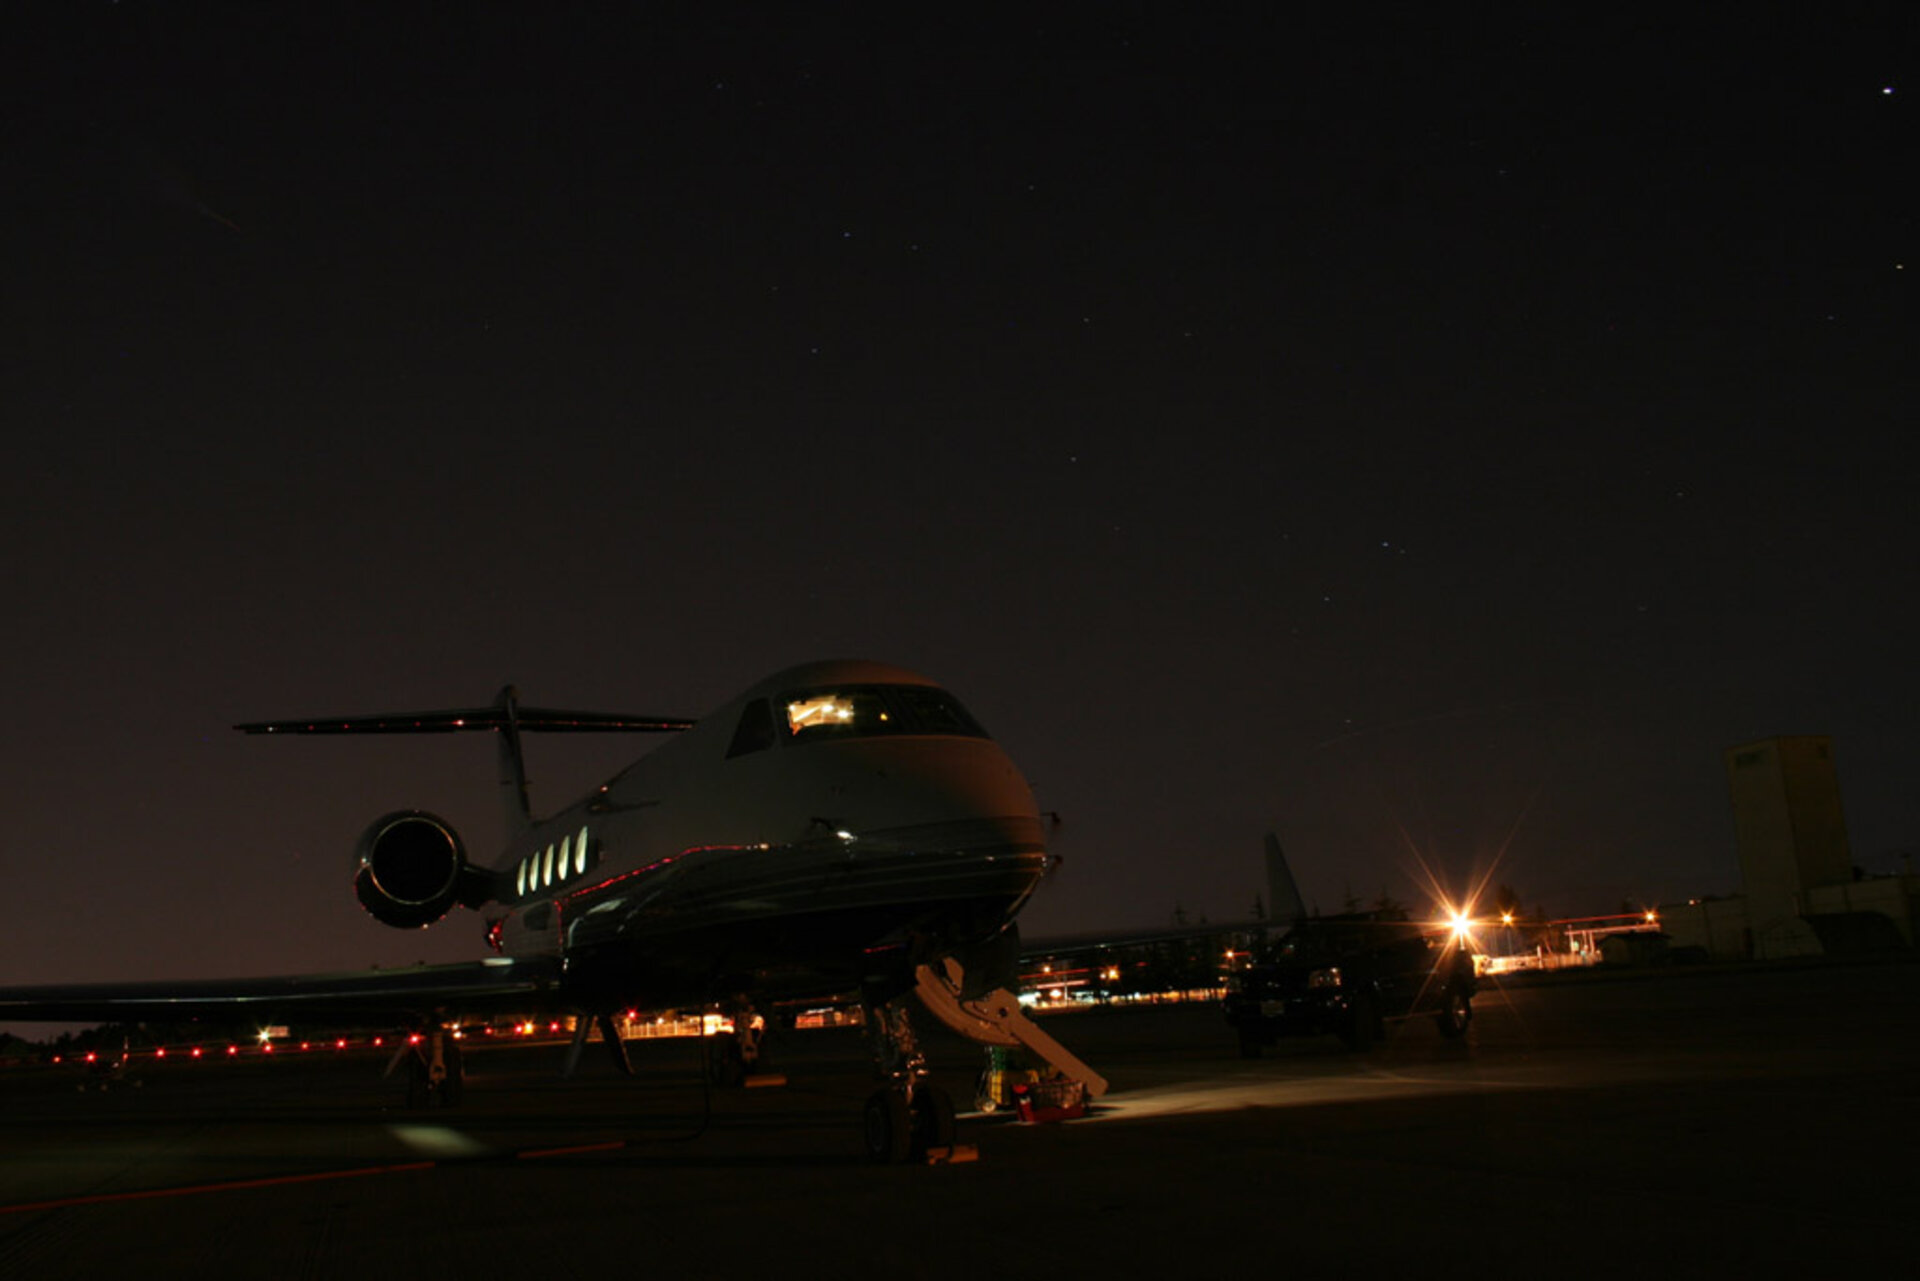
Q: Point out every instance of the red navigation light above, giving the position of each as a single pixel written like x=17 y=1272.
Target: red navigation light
x=91 y=1056
x=266 y=1047
x=233 y=1051
x=160 y=1053
x=413 y=1039
x=379 y=1041
x=340 y=1044
x=196 y=1051
x=305 y=1045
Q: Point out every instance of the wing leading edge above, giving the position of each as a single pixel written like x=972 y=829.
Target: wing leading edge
x=423 y=992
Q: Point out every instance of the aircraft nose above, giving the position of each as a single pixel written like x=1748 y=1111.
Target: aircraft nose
x=939 y=783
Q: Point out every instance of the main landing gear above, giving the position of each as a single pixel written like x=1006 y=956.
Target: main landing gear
x=909 y=1117
x=732 y=1059
x=434 y=1075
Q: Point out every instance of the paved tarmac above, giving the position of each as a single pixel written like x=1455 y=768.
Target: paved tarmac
x=1760 y=1122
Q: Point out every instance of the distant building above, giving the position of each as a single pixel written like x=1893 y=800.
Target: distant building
x=1803 y=895
x=1791 y=834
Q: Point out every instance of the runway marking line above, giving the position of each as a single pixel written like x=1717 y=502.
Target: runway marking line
x=236 y=1185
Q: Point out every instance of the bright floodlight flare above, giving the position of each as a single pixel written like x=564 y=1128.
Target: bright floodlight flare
x=1462 y=926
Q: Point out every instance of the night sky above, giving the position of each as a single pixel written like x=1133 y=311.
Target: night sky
x=1430 y=439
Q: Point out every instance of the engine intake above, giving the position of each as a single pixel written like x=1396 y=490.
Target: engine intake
x=412 y=869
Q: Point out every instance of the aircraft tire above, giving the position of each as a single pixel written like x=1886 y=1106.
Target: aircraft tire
x=1363 y=1023
x=933 y=1123
x=455 y=1083
x=888 y=1127
x=1455 y=1015
x=726 y=1066
x=419 y=1086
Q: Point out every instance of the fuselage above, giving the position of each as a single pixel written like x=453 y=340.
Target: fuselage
x=827 y=829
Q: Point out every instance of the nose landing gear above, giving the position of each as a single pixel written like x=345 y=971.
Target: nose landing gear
x=909 y=1118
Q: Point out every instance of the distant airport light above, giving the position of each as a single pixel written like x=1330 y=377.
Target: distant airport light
x=233 y=1051
x=1652 y=917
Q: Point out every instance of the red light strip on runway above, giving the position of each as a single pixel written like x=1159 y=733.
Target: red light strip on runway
x=147 y=1194
x=238 y=1185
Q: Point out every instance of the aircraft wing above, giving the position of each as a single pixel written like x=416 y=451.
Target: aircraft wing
x=416 y=992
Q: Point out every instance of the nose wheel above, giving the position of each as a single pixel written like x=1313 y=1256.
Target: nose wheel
x=902 y=1125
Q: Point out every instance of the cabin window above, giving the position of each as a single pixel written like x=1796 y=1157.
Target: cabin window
x=862 y=711
x=580 y=853
x=755 y=730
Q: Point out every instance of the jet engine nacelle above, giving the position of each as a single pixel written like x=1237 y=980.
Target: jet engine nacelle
x=412 y=869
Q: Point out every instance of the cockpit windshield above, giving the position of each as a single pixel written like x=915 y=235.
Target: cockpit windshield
x=864 y=711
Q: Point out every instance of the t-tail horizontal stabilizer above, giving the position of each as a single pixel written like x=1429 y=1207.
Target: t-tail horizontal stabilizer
x=997 y=1019
x=505 y=716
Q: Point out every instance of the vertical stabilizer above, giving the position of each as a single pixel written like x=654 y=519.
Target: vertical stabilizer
x=1283 y=896
x=513 y=767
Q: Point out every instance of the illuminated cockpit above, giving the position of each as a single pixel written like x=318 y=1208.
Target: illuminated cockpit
x=865 y=711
